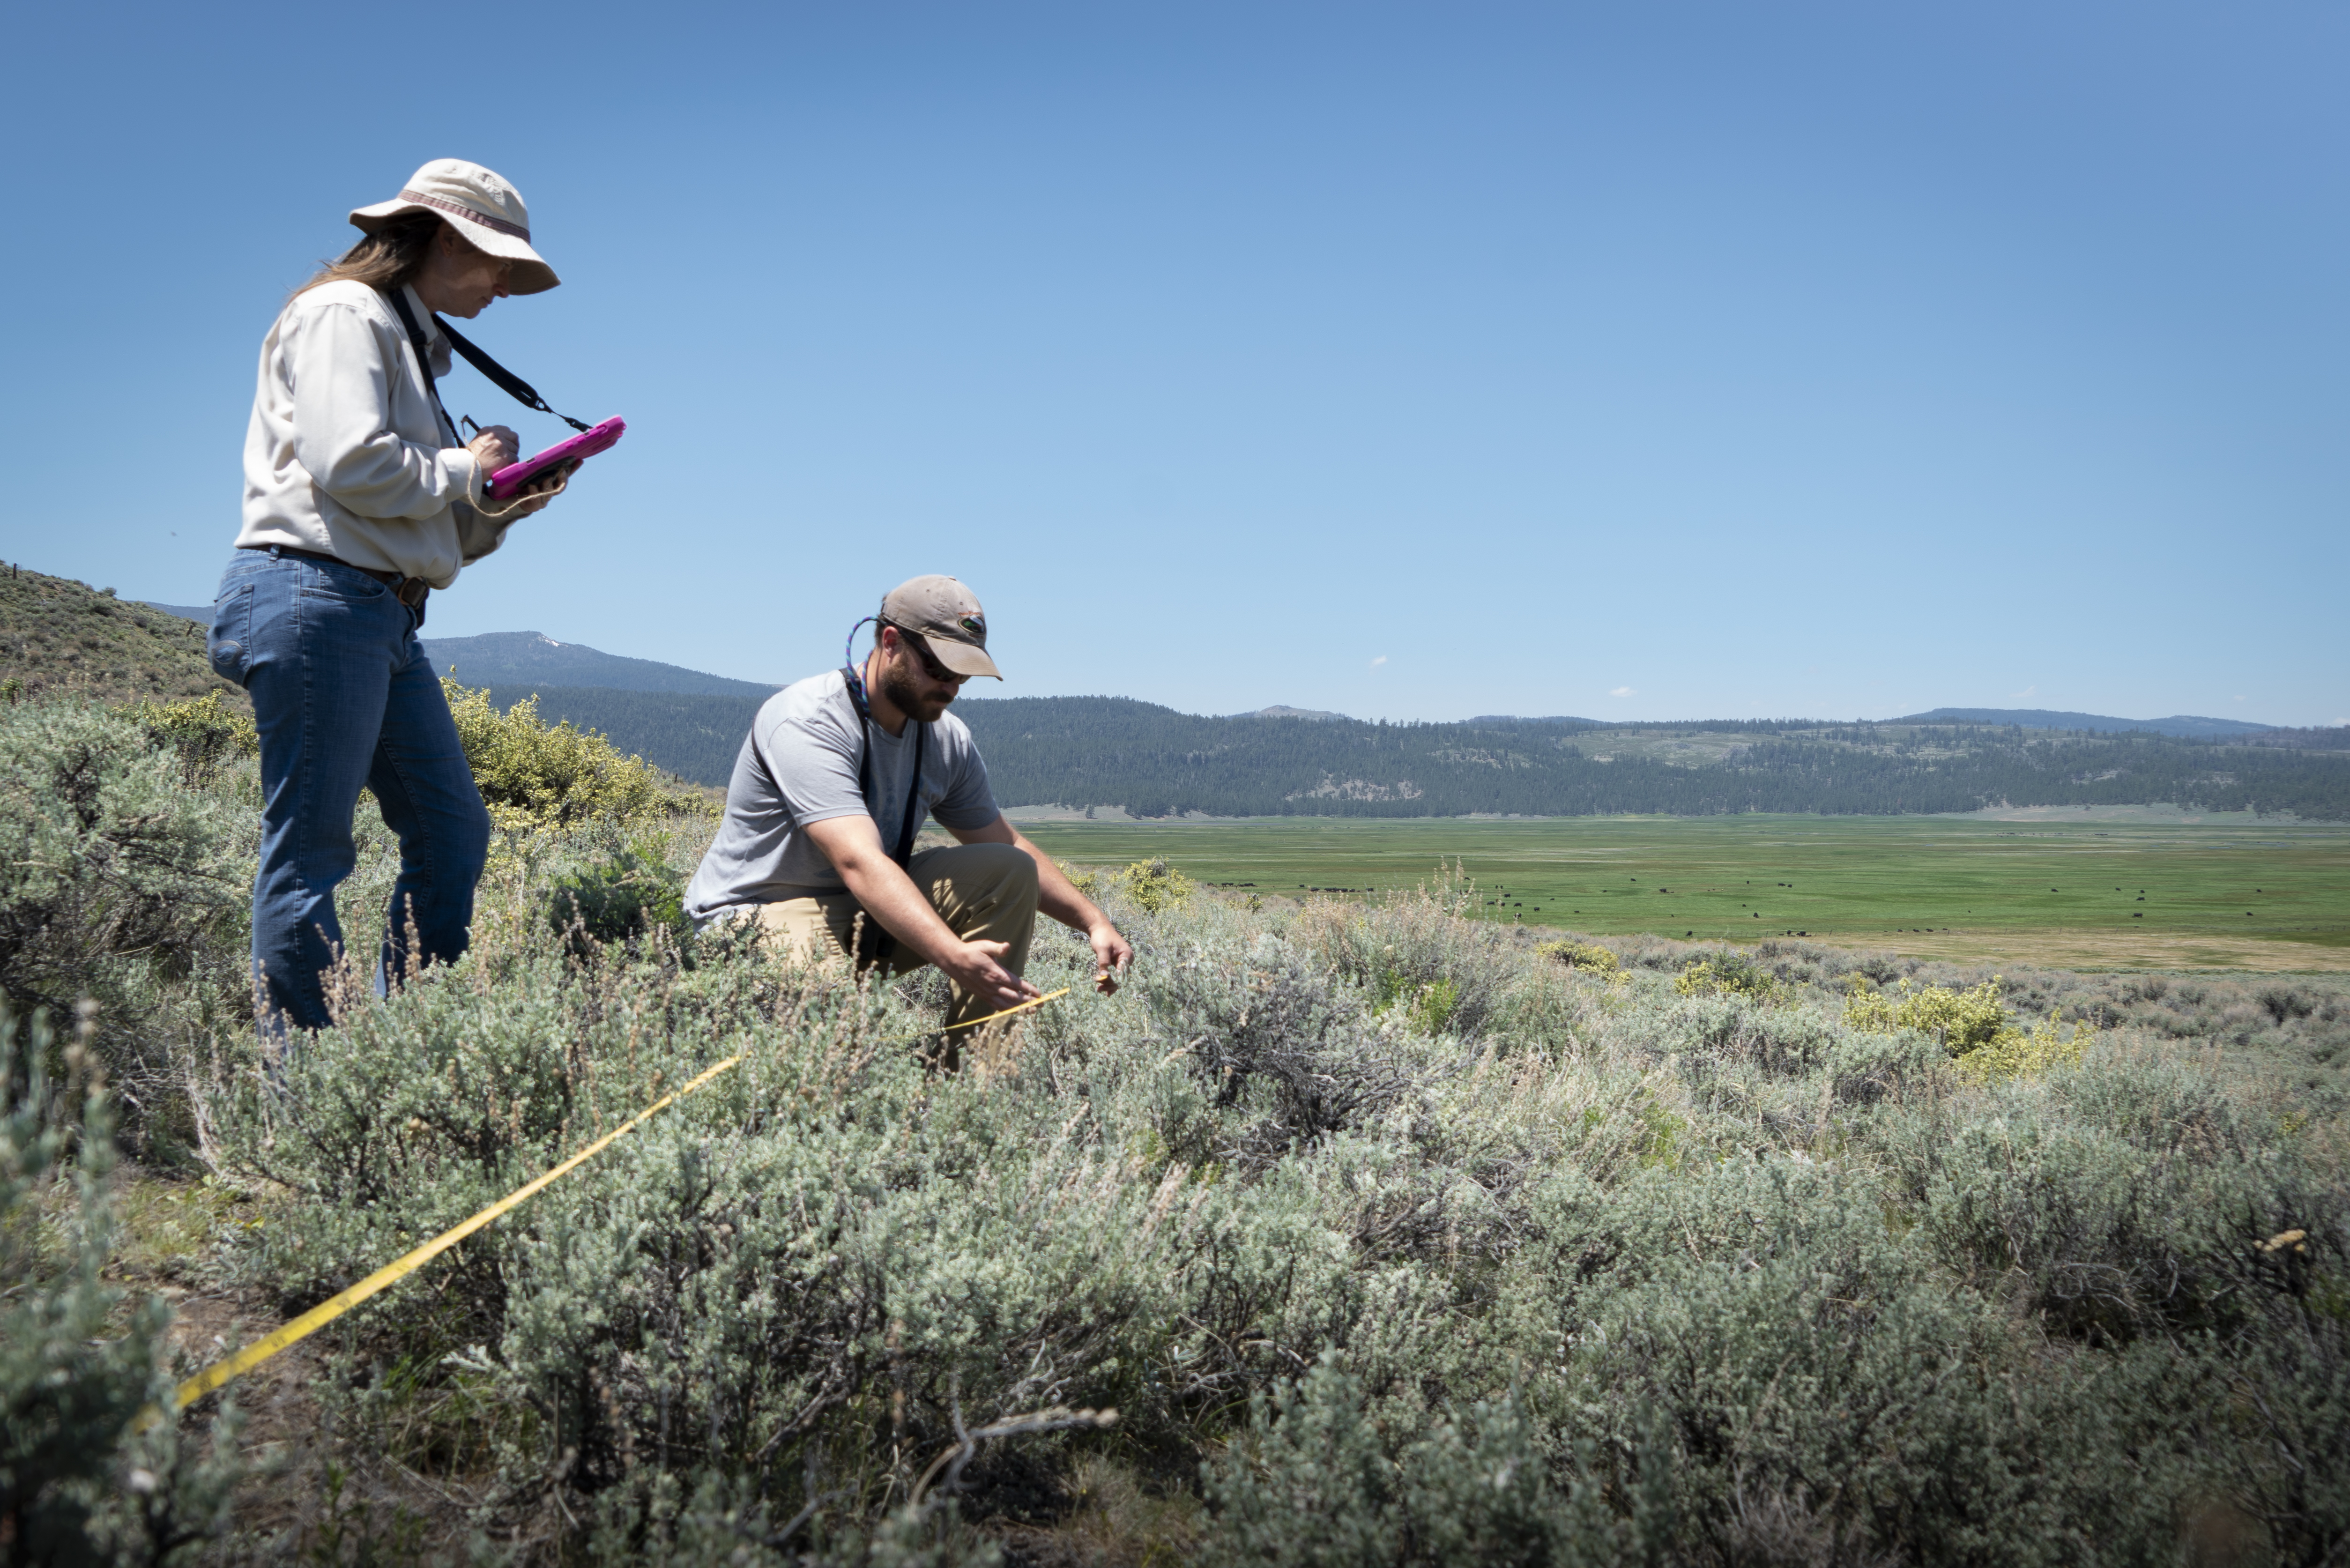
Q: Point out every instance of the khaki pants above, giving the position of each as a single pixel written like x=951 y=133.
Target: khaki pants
x=984 y=892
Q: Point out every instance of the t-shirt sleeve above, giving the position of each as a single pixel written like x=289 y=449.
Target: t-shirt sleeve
x=968 y=803
x=815 y=764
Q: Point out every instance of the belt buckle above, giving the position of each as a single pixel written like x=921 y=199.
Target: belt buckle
x=410 y=591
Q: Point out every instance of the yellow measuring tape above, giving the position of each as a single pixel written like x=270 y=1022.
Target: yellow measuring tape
x=392 y=1274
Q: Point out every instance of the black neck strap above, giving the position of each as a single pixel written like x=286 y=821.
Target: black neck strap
x=515 y=387
x=912 y=820
x=416 y=340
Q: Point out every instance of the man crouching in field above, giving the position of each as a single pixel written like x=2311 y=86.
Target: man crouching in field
x=831 y=786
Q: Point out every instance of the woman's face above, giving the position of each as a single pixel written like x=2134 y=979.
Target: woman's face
x=459 y=280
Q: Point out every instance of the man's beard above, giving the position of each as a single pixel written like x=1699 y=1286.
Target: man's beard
x=899 y=688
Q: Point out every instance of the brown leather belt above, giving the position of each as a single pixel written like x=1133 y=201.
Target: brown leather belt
x=410 y=591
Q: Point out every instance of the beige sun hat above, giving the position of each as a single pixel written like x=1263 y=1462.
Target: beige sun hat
x=488 y=212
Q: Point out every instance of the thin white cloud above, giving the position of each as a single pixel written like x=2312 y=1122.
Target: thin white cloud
x=1382 y=658
x=2031 y=690
x=2238 y=698
x=1621 y=691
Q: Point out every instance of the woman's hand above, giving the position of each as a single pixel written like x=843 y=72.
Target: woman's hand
x=493 y=449
x=533 y=496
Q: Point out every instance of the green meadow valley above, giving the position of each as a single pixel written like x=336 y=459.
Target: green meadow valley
x=2070 y=887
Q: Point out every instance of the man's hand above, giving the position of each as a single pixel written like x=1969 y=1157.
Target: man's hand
x=1112 y=954
x=978 y=968
x=493 y=449
x=1057 y=898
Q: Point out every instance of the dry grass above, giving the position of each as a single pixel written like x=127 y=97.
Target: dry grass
x=2097 y=950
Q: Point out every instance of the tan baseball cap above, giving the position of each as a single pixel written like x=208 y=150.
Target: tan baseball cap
x=484 y=208
x=945 y=615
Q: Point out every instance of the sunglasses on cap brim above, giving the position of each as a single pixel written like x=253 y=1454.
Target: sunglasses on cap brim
x=930 y=665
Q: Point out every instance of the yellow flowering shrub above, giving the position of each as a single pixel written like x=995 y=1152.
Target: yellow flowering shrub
x=1729 y=975
x=1962 y=1019
x=1587 y=956
x=1154 y=885
x=534 y=775
x=206 y=733
x=1974 y=1025
x=2014 y=1053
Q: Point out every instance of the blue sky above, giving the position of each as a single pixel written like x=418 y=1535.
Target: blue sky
x=1415 y=361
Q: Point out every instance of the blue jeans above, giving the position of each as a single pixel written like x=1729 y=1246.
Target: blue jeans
x=344 y=696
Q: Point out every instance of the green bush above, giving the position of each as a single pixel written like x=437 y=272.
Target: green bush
x=1153 y=886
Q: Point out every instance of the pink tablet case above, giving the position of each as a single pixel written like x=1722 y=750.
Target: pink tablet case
x=586 y=444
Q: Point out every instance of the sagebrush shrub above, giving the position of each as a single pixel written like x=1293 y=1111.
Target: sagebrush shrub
x=116 y=884
x=79 y=1354
x=618 y=899
x=1421 y=950
x=1432 y=1248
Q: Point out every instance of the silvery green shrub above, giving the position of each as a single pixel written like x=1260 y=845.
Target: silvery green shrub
x=116 y=884
x=79 y=1354
x=1570 y=1270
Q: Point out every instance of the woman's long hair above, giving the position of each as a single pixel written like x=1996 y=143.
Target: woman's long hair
x=386 y=259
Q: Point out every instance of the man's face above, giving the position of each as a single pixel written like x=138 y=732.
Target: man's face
x=915 y=682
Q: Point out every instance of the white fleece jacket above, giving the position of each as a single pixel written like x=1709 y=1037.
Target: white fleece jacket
x=344 y=454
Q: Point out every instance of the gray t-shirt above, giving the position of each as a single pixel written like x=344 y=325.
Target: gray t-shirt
x=799 y=765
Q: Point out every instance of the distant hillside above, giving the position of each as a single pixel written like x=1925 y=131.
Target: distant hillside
x=58 y=638
x=2185 y=725
x=519 y=657
x=528 y=658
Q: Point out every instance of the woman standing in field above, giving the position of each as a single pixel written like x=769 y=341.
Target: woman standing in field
x=360 y=497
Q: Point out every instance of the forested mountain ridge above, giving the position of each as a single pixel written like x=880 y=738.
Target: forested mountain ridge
x=1154 y=762
x=693 y=736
